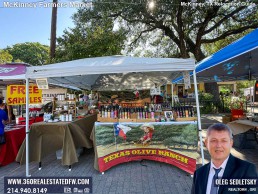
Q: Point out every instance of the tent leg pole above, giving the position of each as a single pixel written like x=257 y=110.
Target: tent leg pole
x=27 y=128
x=198 y=114
x=252 y=99
x=172 y=94
x=40 y=166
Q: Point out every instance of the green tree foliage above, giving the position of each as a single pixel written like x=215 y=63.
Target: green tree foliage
x=90 y=39
x=188 y=27
x=5 y=57
x=215 y=46
x=207 y=105
x=241 y=85
x=211 y=48
x=32 y=53
x=225 y=89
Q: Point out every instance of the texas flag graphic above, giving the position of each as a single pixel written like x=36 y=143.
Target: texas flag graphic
x=121 y=130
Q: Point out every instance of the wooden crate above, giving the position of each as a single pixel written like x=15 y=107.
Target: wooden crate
x=187 y=119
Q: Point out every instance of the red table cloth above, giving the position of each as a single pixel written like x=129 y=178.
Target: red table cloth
x=22 y=120
x=14 y=138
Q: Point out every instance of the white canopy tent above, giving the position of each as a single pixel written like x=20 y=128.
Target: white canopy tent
x=112 y=72
x=115 y=73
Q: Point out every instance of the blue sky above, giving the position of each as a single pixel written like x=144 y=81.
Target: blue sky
x=19 y=25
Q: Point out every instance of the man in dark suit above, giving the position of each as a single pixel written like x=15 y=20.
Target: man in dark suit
x=219 y=142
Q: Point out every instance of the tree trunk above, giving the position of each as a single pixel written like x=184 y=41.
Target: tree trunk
x=53 y=31
x=213 y=89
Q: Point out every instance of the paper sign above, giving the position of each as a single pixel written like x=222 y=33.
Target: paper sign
x=187 y=81
x=16 y=94
x=48 y=95
x=155 y=91
x=176 y=99
x=42 y=83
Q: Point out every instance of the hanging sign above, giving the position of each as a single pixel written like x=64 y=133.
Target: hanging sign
x=12 y=70
x=42 y=83
x=176 y=99
x=155 y=91
x=16 y=94
x=48 y=95
x=187 y=81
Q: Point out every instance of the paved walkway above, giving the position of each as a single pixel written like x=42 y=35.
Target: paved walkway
x=134 y=177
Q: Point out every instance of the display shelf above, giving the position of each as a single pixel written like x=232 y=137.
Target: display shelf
x=111 y=120
x=187 y=119
x=70 y=103
x=126 y=120
x=145 y=120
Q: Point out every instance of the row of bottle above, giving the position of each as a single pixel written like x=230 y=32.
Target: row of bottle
x=66 y=117
x=142 y=112
x=125 y=112
x=185 y=111
x=65 y=97
x=33 y=113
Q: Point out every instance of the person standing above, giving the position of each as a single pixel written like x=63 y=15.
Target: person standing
x=219 y=142
x=9 y=112
x=3 y=119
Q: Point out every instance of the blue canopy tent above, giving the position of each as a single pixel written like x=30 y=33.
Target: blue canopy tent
x=237 y=61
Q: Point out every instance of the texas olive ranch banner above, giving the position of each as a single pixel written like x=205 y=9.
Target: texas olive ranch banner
x=174 y=143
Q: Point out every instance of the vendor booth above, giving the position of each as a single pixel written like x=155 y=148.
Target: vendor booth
x=14 y=134
x=13 y=79
x=129 y=73
x=237 y=61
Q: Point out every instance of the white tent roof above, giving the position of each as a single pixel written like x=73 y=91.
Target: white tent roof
x=112 y=72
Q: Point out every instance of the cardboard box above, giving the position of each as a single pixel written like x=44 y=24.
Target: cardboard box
x=226 y=119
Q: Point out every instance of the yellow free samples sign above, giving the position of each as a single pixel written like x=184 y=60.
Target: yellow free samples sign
x=16 y=94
